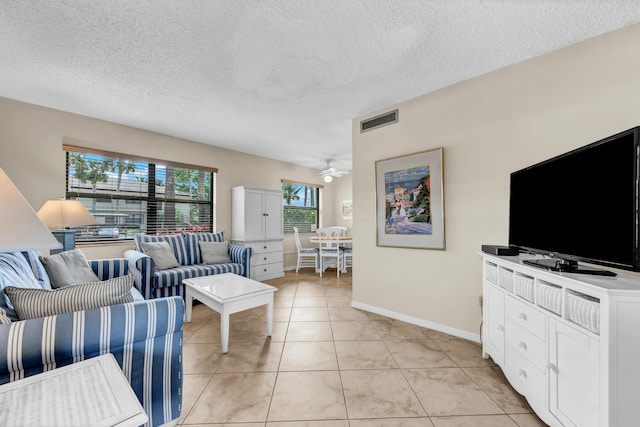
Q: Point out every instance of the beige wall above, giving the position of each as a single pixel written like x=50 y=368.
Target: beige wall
x=31 y=154
x=341 y=191
x=489 y=127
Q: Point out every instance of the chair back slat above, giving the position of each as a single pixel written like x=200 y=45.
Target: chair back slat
x=330 y=251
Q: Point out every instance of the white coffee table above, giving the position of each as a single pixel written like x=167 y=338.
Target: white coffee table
x=229 y=293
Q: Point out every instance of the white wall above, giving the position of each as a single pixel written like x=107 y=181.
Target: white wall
x=31 y=154
x=489 y=127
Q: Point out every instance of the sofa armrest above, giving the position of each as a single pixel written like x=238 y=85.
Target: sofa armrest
x=142 y=267
x=145 y=337
x=241 y=255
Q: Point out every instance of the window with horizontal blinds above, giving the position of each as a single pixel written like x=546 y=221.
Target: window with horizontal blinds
x=300 y=206
x=134 y=195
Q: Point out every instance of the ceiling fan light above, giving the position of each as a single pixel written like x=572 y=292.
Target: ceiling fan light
x=327 y=178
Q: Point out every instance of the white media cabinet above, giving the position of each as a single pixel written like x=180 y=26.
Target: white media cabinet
x=570 y=343
x=256 y=222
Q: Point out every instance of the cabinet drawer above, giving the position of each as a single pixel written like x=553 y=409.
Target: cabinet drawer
x=259 y=271
x=524 y=376
x=584 y=310
x=505 y=278
x=491 y=272
x=262 y=247
x=523 y=287
x=526 y=344
x=266 y=258
x=526 y=316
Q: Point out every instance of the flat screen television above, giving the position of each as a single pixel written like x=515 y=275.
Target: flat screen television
x=580 y=206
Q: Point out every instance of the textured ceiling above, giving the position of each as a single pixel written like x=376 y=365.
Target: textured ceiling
x=279 y=78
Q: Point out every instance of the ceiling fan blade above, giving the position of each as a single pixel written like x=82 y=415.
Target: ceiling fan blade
x=331 y=171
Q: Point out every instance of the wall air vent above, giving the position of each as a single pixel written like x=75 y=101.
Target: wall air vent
x=379 y=121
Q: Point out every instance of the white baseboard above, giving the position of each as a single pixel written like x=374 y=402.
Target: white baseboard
x=418 y=322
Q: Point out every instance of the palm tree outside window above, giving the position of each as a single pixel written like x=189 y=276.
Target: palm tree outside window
x=300 y=207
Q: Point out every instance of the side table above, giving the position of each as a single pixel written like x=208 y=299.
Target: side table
x=93 y=392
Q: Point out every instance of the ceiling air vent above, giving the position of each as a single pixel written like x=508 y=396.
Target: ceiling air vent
x=379 y=121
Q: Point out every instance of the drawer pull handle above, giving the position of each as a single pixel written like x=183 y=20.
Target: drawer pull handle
x=522 y=373
x=552 y=367
x=522 y=345
x=265 y=258
x=500 y=328
x=265 y=270
x=264 y=247
x=522 y=316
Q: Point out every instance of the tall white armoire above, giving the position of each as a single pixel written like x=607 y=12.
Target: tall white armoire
x=256 y=222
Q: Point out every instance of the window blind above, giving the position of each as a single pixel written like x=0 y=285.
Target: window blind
x=128 y=195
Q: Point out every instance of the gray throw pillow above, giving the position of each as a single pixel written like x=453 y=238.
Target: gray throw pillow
x=161 y=253
x=68 y=268
x=214 y=252
x=34 y=303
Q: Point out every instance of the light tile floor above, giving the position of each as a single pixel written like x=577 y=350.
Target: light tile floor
x=330 y=365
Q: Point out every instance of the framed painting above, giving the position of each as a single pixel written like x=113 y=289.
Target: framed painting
x=347 y=209
x=410 y=201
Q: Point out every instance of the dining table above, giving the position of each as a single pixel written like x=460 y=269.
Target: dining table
x=342 y=241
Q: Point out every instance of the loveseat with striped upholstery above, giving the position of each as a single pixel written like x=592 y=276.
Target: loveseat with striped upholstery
x=144 y=336
x=163 y=283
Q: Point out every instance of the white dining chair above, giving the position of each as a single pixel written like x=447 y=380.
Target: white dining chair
x=347 y=253
x=330 y=252
x=307 y=257
x=340 y=228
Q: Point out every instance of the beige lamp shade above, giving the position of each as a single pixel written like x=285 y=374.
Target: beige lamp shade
x=59 y=214
x=20 y=227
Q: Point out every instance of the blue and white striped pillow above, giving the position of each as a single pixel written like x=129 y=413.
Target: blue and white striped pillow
x=193 y=248
x=176 y=241
x=34 y=303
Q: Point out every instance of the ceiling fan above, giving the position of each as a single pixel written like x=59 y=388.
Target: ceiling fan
x=328 y=173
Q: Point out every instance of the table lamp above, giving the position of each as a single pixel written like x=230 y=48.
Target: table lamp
x=62 y=216
x=20 y=227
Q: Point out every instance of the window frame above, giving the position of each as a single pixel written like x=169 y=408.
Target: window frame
x=153 y=202
x=318 y=189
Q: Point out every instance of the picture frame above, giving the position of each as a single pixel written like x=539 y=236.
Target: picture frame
x=410 y=200
x=347 y=209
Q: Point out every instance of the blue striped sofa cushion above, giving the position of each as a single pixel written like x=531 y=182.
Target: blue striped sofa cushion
x=169 y=291
x=176 y=241
x=109 y=268
x=175 y=276
x=193 y=249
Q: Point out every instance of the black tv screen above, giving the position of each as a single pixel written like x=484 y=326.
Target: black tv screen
x=581 y=205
